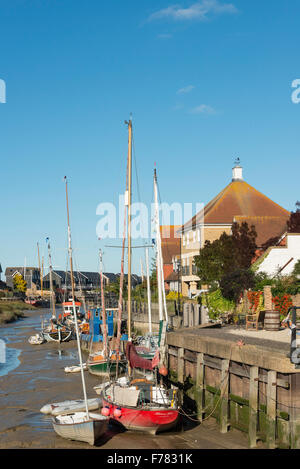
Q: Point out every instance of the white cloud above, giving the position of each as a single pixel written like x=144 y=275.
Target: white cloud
x=200 y=11
x=185 y=90
x=164 y=36
x=203 y=109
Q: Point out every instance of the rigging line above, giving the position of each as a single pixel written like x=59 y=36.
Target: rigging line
x=137 y=180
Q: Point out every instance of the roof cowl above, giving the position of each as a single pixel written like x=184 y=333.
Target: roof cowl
x=237 y=171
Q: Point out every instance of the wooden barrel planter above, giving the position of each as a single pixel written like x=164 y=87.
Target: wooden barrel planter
x=272 y=321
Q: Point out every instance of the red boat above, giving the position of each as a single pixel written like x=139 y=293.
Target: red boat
x=31 y=301
x=141 y=406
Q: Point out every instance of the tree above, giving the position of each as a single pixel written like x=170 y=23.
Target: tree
x=19 y=283
x=296 y=271
x=214 y=259
x=227 y=254
x=233 y=284
x=244 y=240
x=293 y=224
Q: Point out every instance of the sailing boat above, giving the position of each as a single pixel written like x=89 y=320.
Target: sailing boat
x=139 y=404
x=106 y=361
x=55 y=331
x=80 y=426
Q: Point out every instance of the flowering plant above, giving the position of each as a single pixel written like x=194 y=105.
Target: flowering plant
x=282 y=303
x=256 y=300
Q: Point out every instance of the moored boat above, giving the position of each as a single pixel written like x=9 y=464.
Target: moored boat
x=99 y=365
x=141 y=406
x=81 y=427
x=67 y=407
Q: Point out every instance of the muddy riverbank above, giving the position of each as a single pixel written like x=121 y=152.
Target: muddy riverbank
x=34 y=375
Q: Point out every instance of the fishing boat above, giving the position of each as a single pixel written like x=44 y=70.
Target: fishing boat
x=100 y=365
x=67 y=407
x=80 y=426
x=106 y=361
x=55 y=331
x=141 y=404
x=31 y=301
x=68 y=312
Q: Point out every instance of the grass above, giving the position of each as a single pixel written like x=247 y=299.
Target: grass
x=12 y=310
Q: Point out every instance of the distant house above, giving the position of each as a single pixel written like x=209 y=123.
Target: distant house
x=83 y=280
x=31 y=276
x=238 y=202
x=170 y=247
x=173 y=282
x=135 y=279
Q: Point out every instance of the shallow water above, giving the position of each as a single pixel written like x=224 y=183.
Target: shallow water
x=33 y=376
x=11 y=361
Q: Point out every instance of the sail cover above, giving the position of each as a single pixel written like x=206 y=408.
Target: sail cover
x=136 y=361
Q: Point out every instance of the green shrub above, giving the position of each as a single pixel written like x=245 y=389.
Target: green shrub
x=217 y=304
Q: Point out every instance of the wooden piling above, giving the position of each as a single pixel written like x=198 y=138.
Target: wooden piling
x=224 y=410
x=200 y=388
x=253 y=406
x=180 y=365
x=271 y=409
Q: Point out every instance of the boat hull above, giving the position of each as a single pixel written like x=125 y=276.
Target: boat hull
x=62 y=336
x=150 y=421
x=67 y=407
x=105 y=368
x=88 y=431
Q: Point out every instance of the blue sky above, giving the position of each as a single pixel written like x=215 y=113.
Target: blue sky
x=206 y=81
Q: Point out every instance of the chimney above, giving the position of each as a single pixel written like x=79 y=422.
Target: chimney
x=237 y=171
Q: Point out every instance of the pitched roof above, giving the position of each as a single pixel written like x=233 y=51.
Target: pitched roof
x=238 y=199
x=173 y=277
x=266 y=227
x=12 y=270
x=170 y=244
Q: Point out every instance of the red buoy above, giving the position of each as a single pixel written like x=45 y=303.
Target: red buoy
x=163 y=370
x=117 y=413
x=105 y=411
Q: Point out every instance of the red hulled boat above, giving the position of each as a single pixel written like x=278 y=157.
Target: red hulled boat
x=141 y=406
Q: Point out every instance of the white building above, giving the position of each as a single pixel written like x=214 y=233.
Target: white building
x=281 y=259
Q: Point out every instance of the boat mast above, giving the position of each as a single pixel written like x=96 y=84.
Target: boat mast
x=163 y=315
x=38 y=248
x=148 y=292
x=51 y=281
x=129 y=223
x=158 y=266
x=120 y=303
x=42 y=276
x=74 y=306
x=103 y=308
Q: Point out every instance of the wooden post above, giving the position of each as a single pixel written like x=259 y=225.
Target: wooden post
x=271 y=409
x=253 y=406
x=200 y=388
x=224 y=388
x=180 y=365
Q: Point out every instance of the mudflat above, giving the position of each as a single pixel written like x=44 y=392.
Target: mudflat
x=36 y=377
